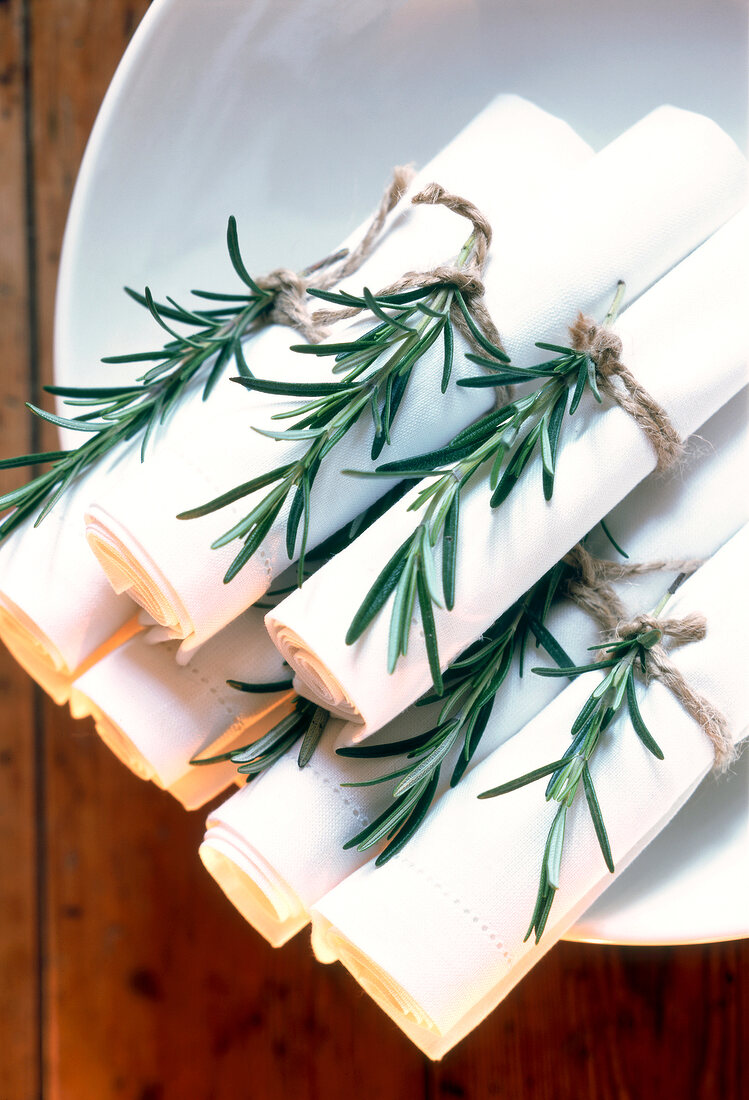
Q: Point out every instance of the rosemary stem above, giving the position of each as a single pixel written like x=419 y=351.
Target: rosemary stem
x=616 y=305
x=666 y=596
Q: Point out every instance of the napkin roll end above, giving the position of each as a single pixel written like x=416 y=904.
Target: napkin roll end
x=116 y=740
x=131 y=570
x=34 y=651
x=37 y=654
x=252 y=885
x=312 y=677
x=330 y=945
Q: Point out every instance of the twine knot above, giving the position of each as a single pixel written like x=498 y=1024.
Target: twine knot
x=692 y=628
x=604 y=347
x=598 y=341
x=588 y=585
x=466 y=280
x=649 y=632
x=291 y=302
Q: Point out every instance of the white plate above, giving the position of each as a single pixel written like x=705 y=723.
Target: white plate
x=298 y=111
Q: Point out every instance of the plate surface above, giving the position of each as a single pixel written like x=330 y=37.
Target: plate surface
x=293 y=104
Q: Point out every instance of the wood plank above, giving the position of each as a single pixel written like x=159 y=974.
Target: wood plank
x=76 y=46
x=612 y=1023
x=156 y=987
x=19 y=1008
x=160 y=989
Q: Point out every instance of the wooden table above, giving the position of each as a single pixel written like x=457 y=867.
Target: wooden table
x=124 y=973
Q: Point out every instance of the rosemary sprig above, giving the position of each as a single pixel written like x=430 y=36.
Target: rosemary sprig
x=375 y=369
x=498 y=446
x=620 y=659
x=118 y=414
x=307 y=721
x=471 y=685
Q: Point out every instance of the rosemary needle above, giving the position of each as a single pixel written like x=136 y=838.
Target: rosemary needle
x=306 y=721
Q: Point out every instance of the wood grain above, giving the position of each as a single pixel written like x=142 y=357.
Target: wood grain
x=153 y=987
x=75 y=48
x=160 y=989
x=615 y=1023
x=19 y=987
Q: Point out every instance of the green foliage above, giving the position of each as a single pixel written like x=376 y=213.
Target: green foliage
x=470 y=687
x=497 y=448
x=615 y=692
x=375 y=369
x=118 y=414
x=306 y=722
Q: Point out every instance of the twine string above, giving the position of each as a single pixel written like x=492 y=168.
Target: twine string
x=605 y=349
x=467 y=278
x=590 y=588
x=598 y=341
x=659 y=666
x=589 y=585
x=291 y=304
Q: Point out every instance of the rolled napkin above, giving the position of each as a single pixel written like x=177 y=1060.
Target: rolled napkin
x=437 y=935
x=272 y=867
x=502 y=161
x=685 y=341
x=639 y=207
x=273 y=870
x=58 y=613
x=156 y=715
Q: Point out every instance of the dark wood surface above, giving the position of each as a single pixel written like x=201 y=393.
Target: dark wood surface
x=123 y=971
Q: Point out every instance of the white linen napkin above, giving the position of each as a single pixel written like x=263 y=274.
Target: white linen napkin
x=57 y=610
x=685 y=340
x=651 y=197
x=274 y=872
x=273 y=865
x=503 y=161
x=436 y=935
x=155 y=715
